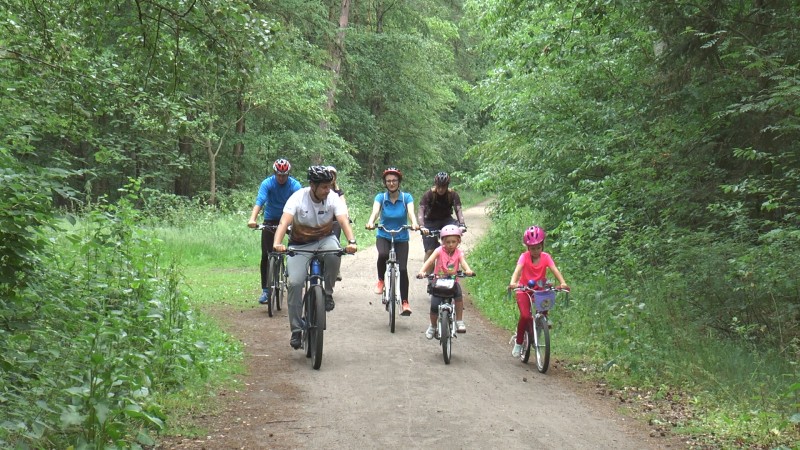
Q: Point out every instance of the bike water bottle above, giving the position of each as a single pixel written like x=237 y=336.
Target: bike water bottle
x=316 y=267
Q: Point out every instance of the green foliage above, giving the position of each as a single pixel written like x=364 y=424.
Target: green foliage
x=107 y=328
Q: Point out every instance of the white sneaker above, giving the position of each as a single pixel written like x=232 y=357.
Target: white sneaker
x=460 y=327
x=517 y=350
x=430 y=332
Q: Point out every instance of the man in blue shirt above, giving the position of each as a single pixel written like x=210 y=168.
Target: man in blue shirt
x=272 y=196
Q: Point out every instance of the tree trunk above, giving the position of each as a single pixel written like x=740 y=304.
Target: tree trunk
x=335 y=53
x=238 y=147
x=212 y=175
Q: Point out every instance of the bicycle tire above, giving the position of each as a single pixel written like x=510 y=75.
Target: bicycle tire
x=316 y=326
x=271 y=284
x=280 y=285
x=527 y=343
x=541 y=335
x=445 y=337
x=307 y=308
x=391 y=297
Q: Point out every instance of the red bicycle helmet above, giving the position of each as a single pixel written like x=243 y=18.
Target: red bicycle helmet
x=533 y=235
x=392 y=171
x=281 y=166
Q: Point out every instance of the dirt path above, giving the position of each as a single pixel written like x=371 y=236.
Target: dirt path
x=377 y=389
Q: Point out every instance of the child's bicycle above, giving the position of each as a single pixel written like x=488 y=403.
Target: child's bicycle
x=391 y=288
x=444 y=287
x=537 y=333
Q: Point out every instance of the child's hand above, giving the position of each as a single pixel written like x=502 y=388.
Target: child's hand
x=421 y=275
x=469 y=273
x=564 y=286
x=512 y=286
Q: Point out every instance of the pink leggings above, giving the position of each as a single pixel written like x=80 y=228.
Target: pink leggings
x=525 y=316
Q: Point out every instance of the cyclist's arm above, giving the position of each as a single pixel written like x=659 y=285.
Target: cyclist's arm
x=280 y=233
x=344 y=222
x=411 y=217
x=428 y=265
x=464 y=266
x=460 y=217
x=515 y=277
x=253 y=222
x=558 y=276
x=376 y=208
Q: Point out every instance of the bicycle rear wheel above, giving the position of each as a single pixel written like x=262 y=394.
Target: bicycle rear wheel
x=541 y=335
x=391 y=294
x=445 y=337
x=316 y=325
x=527 y=341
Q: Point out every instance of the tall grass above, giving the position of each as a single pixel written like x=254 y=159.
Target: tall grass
x=634 y=332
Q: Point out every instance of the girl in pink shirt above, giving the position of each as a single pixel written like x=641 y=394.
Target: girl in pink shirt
x=531 y=266
x=447 y=259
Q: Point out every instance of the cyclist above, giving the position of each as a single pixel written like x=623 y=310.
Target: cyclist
x=396 y=209
x=447 y=259
x=272 y=196
x=337 y=230
x=311 y=212
x=532 y=265
x=436 y=210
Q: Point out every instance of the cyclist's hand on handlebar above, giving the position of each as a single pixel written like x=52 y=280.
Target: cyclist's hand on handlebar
x=512 y=286
x=279 y=247
x=415 y=227
x=252 y=224
x=564 y=287
x=369 y=226
x=424 y=231
x=421 y=275
x=469 y=273
x=463 y=228
x=351 y=248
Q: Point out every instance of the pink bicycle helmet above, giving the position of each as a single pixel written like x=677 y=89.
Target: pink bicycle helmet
x=450 y=230
x=281 y=166
x=533 y=235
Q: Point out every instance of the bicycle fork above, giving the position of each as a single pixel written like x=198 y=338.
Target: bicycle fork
x=445 y=313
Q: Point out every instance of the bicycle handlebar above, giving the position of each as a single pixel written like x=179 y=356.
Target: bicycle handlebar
x=402 y=228
x=459 y=274
x=291 y=251
x=545 y=289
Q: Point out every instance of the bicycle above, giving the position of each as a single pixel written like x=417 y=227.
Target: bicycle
x=276 y=278
x=314 y=315
x=537 y=333
x=391 y=288
x=445 y=287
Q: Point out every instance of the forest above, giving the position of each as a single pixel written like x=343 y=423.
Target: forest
x=657 y=141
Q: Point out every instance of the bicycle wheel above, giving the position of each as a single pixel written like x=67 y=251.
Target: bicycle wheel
x=527 y=339
x=541 y=336
x=391 y=296
x=307 y=313
x=445 y=338
x=280 y=282
x=271 y=284
x=316 y=326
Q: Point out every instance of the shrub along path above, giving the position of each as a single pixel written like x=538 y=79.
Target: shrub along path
x=377 y=389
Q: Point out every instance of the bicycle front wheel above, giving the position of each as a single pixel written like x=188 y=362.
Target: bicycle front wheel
x=541 y=335
x=391 y=296
x=316 y=325
x=445 y=336
x=527 y=341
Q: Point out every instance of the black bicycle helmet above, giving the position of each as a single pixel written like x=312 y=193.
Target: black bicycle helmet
x=319 y=174
x=441 y=179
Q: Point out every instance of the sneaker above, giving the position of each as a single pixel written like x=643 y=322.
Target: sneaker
x=460 y=327
x=264 y=297
x=329 y=303
x=379 y=287
x=517 y=350
x=339 y=276
x=430 y=332
x=406 y=309
x=295 y=341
